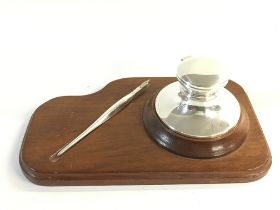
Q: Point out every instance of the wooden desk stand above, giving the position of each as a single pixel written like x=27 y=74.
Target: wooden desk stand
x=120 y=151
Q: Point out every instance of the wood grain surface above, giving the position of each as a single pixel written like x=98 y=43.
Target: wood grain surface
x=120 y=151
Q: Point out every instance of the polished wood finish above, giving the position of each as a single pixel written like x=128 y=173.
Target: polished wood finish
x=120 y=151
x=194 y=147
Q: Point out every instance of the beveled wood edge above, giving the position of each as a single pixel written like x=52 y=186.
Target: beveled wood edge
x=138 y=178
x=150 y=178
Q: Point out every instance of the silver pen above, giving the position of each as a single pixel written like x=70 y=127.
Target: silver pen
x=114 y=109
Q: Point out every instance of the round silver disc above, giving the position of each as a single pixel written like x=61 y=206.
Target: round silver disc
x=199 y=119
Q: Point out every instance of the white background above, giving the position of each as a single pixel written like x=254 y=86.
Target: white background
x=50 y=48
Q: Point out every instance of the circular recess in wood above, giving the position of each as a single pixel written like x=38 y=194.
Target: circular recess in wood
x=194 y=147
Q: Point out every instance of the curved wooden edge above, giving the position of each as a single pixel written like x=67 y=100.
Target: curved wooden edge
x=194 y=147
x=99 y=91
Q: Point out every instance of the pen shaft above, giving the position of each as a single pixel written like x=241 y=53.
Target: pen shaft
x=114 y=109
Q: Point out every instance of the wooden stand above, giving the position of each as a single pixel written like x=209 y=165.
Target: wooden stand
x=194 y=147
x=121 y=152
